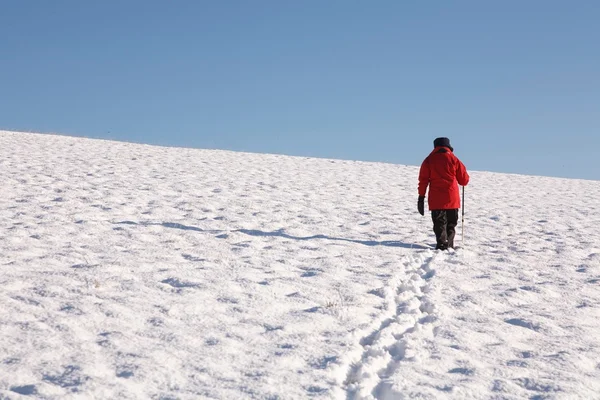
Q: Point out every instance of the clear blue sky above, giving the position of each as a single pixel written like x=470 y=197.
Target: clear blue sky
x=515 y=84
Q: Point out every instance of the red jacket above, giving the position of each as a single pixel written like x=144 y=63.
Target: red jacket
x=442 y=171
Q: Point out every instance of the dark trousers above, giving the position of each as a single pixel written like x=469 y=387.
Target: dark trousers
x=444 y=224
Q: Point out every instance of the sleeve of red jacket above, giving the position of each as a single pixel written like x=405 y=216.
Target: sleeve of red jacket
x=424 y=175
x=461 y=174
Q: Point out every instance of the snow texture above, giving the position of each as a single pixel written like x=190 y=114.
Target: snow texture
x=137 y=272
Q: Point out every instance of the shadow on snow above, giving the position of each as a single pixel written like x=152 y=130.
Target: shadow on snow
x=280 y=233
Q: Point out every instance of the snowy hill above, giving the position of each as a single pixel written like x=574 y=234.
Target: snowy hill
x=139 y=272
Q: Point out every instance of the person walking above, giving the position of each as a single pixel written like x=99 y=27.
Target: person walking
x=442 y=172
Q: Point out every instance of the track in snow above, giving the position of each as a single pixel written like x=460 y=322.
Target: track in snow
x=394 y=340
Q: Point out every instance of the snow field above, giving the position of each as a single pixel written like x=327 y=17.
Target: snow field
x=132 y=271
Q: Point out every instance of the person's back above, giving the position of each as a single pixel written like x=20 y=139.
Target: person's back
x=442 y=172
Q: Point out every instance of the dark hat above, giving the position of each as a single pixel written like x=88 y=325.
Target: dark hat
x=442 y=142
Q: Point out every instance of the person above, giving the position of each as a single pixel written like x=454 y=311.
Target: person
x=442 y=172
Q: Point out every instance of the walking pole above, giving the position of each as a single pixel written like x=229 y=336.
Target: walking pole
x=463 y=216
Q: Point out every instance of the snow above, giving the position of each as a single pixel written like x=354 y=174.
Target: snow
x=137 y=272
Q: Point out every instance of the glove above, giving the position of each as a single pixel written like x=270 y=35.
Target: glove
x=421 y=205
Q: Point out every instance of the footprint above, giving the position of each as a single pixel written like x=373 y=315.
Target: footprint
x=312 y=309
x=522 y=323
x=271 y=328
x=462 y=371
x=533 y=385
x=25 y=390
x=530 y=289
x=124 y=374
x=176 y=283
x=228 y=300
x=379 y=292
x=429 y=274
x=324 y=362
x=190 y=257
x=582 y=268
x=70 y=309
x=517 y=363
x=526 y=354
x=71 y=377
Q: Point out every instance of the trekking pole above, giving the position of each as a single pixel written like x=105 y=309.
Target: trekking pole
x=463 y=216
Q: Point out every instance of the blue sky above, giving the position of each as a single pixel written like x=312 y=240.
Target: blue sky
x=514 y=84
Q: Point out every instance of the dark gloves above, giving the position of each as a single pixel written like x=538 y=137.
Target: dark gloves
x=421 y=205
